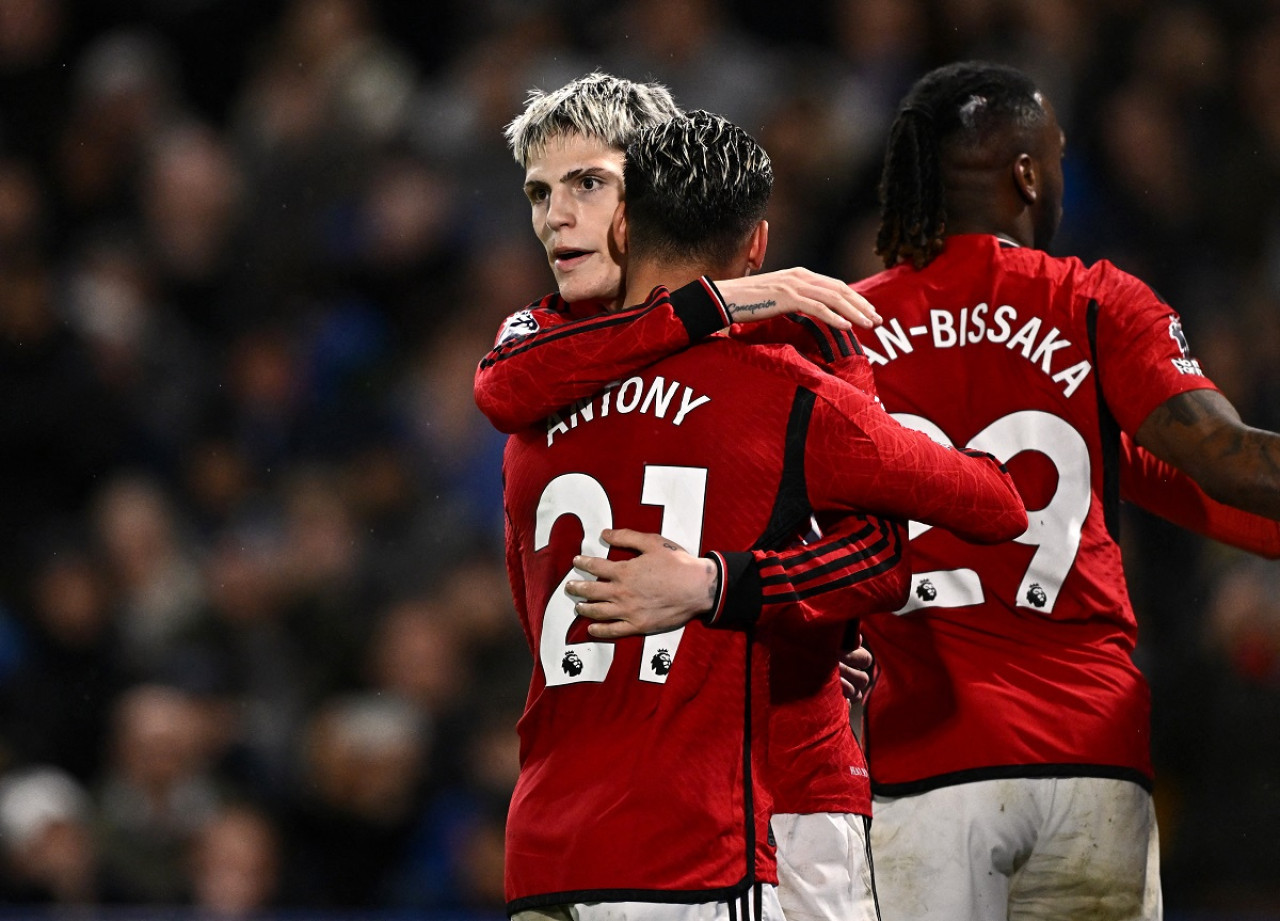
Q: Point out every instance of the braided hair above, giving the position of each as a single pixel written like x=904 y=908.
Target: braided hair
x=962 y=106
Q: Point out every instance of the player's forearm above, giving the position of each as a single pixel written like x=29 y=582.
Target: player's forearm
x=1201 y=433
x=1164 y=490
x=867 y=461
x=522 y=381
x=968 y=493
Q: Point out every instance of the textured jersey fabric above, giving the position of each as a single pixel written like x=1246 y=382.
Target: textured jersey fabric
x=552 y=353
x=1016 y=659
x=642 y=761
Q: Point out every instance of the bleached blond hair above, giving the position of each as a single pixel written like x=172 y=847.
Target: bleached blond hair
x=599 y=105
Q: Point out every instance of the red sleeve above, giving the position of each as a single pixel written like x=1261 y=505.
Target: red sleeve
x=863 y=464
x=545 y=359
x=1143 y=354
x=515 y=569
x=857 y=457
x=1164 y=490
x=859 y=568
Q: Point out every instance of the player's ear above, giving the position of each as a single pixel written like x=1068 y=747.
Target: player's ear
x=756 y=249
x=618 y=229
x=1026 y=177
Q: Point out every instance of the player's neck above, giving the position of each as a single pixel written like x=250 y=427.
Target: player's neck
x=643 y=276
x=990 y=209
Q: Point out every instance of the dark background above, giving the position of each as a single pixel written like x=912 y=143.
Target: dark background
x=256 y=643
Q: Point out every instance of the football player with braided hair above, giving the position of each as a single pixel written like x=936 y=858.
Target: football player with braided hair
x=1008 y=730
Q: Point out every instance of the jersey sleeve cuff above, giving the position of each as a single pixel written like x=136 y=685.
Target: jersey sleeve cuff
x=701 y=308
x=739 y=593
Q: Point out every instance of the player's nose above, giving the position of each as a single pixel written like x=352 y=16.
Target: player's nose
x=559 y=211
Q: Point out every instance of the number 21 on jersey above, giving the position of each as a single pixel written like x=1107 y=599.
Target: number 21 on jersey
x=681 y=494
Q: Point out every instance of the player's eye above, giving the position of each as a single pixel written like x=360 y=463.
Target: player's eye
x=591 y=183
x=536 y=194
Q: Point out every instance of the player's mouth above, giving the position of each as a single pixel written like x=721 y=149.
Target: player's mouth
x=565 y=258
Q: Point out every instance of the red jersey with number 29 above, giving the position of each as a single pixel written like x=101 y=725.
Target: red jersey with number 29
x=641 y=760
x=1015 y=659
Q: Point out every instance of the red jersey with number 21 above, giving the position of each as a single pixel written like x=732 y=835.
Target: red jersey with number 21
x=642 y=759
x=1015 y=659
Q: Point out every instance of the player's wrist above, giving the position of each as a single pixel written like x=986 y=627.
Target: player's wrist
x=701 y=308
x=715 y=609
x=738 y=593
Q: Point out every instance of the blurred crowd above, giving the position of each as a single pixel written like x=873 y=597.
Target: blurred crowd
x=257 y=649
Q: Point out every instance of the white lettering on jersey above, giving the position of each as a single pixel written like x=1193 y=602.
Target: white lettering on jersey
x=949 y=329
x=517 y=326
x=656 y=400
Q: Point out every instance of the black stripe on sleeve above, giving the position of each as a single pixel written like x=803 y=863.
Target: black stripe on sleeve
x=815 y=329
x=588 y=324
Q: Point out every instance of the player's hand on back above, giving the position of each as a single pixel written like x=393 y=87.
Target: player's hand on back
x=797 y=290
x=662 y=588
x=855 y=672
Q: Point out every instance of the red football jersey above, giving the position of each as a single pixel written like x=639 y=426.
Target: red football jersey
x=1015 y=660
x=641 y=760
x=553 y=353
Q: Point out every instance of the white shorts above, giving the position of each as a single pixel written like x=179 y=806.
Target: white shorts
x=1050 y=849
x=760 y=903
x=824 y=867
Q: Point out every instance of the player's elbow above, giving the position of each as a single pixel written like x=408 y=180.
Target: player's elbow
x=504 y=423
x=1003 y=514
x=499 y=413
x=1012 y=520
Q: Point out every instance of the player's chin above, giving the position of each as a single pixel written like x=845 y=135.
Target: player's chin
x=582 y=288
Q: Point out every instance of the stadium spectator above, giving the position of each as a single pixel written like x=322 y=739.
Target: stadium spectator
x=362 y=240
x=49 y=854
x=156 y=793
x=236 y=864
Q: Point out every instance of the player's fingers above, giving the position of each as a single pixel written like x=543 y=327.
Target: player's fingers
x=595 y=610
x=851 y=694
x=612 y=630
x=821 y=312
x=864 y=307
x=596 y=566
x=854 y=677
x=837 y=296
x=639 y=541
x=590 y=590
x=858 y=658
x=851 y=306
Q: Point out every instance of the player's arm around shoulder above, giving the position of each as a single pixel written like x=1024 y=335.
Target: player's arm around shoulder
x=553 y=353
